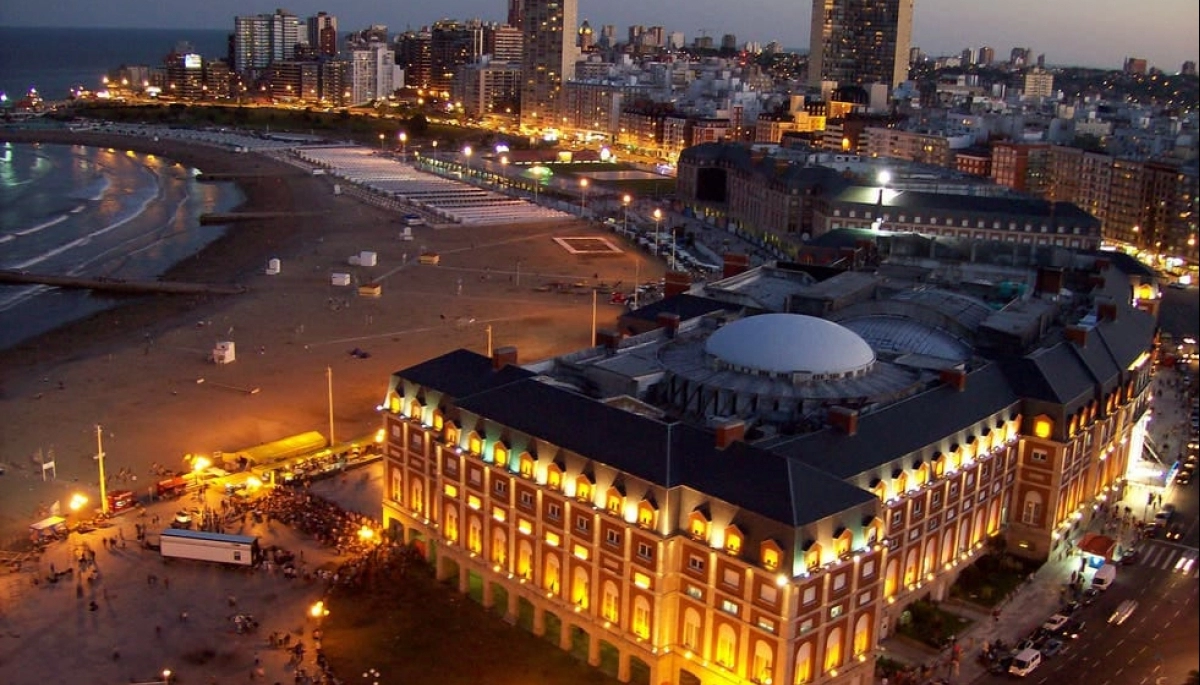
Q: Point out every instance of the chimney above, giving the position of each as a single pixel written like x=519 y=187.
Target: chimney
x=729 y=432
x=669 y=322
x=1107 y=311
x=1049 y=280
x=608 y=338
x=677 y=283
x=844 y=419
x=734 y=264
x=503 y=356
x=956 y=378
x=1077 y=335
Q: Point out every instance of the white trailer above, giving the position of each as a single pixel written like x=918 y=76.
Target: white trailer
x=239 y=550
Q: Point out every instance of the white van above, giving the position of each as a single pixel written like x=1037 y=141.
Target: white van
x=1105 y=575
x=1024 y=662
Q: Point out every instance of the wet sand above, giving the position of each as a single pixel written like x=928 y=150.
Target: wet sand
x=142 y=371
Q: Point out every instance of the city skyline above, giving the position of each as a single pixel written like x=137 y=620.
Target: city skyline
x=1104 y=33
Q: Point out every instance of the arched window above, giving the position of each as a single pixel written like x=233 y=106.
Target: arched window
x=726 y=646
x=581 y=588
x=641 y=618
x=734 y=540
x=583 y=489
x=911 y=568
x=761 y=671
x=1031 y=508
x=394 y=404
x=397 y=485
x=474 y=534
x=646 y=515
x=475 y=444
x=691 y=629
x=415 y=410
x=948 y=545
x=833 y=649
x=452 y=524
x=524 y=559
x=610 y=605
x=526 y=465
x=804 y=664
x=891 y=578
x=841 y=545
x=499 y=546
x=930 y=560
x=500 y=454
x=452 y=434
x=553 y=573
x=698 y=526
x=862 y=634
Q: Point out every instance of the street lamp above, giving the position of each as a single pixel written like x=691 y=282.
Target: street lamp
x=467 y=153
x=583 y=183
x=100 y=461
x=504 y=167
x=77 y=501
x=625 y=215
x=884 y=177
x=318 y=610
x=403 y=146
x=380 y=141
x=198 y=465
x=657 y=220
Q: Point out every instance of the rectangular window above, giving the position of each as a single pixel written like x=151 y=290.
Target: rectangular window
x=810 y=594
x=613 y=537
x=554 y=511
x=695 y=592
x=953 y=489
x=839 y=582
x=806 y=625
x=729 y=607
x=937 y=499
x=696 y=563
x=916 y=507
x=500 y=487
x=645 y=551
x=1038 y=456
x=836 y=610
x=475 y=476
x=864 y=599
x=526 y=499
x=897 y=517
x=451 y=466
x=766 y=625
x=768 y=593
x=583 y=523
x=914 y=533
x=731 y=578
x=868 y=569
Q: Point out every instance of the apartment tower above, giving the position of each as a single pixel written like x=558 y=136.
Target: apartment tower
x=859 y=42
x=549 y=27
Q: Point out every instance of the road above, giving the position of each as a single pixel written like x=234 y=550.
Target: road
x=1157 y=644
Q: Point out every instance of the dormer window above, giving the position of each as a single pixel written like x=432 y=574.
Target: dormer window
x=812 y=556
x=698 y=526
x=770 y=555
x=646 y=514
x=733 y=540
x=613 y=501
x=526 y=465
x=554 y=477
x=583 y=489
x=500 y=454
x=475 y=444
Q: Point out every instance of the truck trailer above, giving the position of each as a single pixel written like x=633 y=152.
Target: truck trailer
x=239 y=550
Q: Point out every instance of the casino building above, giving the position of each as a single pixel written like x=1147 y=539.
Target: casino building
x=752 y=495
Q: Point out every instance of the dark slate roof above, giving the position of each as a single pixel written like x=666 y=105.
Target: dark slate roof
x=1127 y=337
x=1095 y=356
x=667 y=454
x=1064 y=372
x=903 y=427
x=913 y=200
x=630 y=442
x=461 y=373
x=685 y=305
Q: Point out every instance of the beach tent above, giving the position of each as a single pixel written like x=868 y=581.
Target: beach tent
x=48 y=527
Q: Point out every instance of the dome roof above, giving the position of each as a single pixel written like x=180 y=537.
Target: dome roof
x=790 y=344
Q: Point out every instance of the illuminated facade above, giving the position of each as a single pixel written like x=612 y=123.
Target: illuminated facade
x=860 y=42
x=548 y=27
x=754 y=499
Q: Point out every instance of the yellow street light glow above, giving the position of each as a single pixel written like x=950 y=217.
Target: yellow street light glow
x=77 y=501
x=201 y=463
x=366 y=533
x=318 y=610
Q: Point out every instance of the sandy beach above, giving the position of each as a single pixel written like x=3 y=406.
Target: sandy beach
x=142 y=370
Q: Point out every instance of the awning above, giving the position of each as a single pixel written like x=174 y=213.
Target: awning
x=1098 y=545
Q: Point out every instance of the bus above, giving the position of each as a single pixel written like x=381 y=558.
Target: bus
x=238 y=550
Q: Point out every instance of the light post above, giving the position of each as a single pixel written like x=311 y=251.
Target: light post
x=657 y=221
x=329 y=389
x=435 y=151
x=403 y=146
x=381 y=141
x=625 y=214
x=504 y=168
x=467 y=153
x=583 y=183
x=100 y=462
x=885 y=177
x=198 y=465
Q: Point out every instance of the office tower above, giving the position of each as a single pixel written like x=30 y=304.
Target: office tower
x=323 y=34
x=515 y=12
x=587 y=39
x=987 y=55
x=729 y=42
x=373 y=72
x=549 y=60
x=413 y=54
x=856 y=42
x=968 y=57
x=261 y=39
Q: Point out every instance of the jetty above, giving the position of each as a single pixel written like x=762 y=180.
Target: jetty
x=119 y=285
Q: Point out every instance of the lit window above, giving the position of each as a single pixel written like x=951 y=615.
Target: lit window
x=729 y=607
x=526 y=465
x=499 y=454
x=583 y=488
x=499 y=514
x=612 y=501
x=475 y=444
x=553 y=539
x=646 y=515
x=733 y=540
x=473 y=502
x=450 y=490
x=641 y=580
x=554 y=477
x=698 y=526
x=580 y=552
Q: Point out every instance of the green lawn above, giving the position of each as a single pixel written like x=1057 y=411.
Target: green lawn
x=420 y=632
x=928 y=623
x=991 y=579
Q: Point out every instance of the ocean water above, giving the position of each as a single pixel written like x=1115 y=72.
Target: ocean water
x=56 y=59
x=96 y=212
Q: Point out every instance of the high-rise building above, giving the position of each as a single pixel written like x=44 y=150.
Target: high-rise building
x=987 y=55
x=261 y=39
x=413 y=54
x=453 y=44
x=1135 y=65
x=503 y=42
x=323 y=34
x=587 y=39
x=373 y=72
x=549 y=59
x=515 y=12
x=856 y=42
x=1188 y=68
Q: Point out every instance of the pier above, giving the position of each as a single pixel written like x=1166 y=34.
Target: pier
x=119 y=286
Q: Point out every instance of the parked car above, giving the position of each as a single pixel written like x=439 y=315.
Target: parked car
x=1131 y=556
x=1055 y=622
x=1053 y=646
x=1025 y=662
x=1071 y=629
x=1174 y=532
